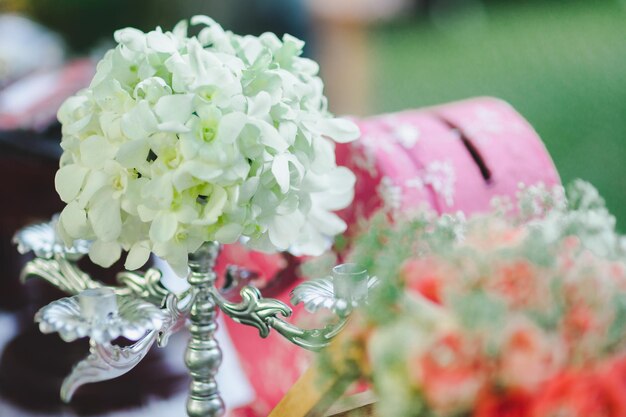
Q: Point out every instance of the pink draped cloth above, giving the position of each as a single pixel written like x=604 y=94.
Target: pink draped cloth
x=452 y=157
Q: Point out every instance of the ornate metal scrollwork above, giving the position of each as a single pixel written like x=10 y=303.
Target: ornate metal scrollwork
x=263 y=313
x=43 y=240
x=105 y=362
x=132 y=320
x=319 y=293
x=145 y=285
x=313 y=339
x=176 y=319
x=145 y=311
x=60 y=272
x=253 y=310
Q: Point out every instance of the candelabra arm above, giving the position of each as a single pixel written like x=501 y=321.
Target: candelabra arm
x=340 y=293
x=253 y=310
x=310 y=339
x=145 y=285
x=263 y=313
x=60 y=272
x=105 y=362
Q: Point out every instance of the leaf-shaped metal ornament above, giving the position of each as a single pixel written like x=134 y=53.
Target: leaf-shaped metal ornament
x=320 y=293
x=133 y=319
x=253 y=310
x=54 y=261
x=61 y=273
x=317 y=294
x=176 y=317
x=145 y=285
x=310 y=339
x=105 y=362
x=43 y=240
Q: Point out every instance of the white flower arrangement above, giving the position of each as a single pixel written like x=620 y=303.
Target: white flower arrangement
x=185 y=139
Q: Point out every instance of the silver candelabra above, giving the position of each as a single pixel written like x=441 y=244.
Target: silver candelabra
x=142 y=310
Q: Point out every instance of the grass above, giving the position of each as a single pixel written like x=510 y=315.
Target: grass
x=561 y=64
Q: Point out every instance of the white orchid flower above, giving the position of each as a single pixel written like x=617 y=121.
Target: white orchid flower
x=181 y=140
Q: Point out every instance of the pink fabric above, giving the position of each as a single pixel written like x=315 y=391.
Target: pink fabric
x=429 y=157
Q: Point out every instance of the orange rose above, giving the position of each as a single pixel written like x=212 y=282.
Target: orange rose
x=529 y=357
x=424 y=276
x=451 y=374
x=518 y=283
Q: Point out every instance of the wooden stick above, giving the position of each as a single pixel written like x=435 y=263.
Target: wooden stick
x=312 y=395
x=361 y=404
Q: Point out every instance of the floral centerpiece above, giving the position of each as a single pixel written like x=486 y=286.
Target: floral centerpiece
x=181 y=140
x=520 y=313
x=180 y=144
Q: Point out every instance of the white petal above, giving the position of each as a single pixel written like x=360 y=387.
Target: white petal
x=200 y=170
x=95 y=181
x=327 y=223
x=74 y=221
x=183 y=180
x=132 y=38
x=285 y=229
x=133 y=154
x=139 y=122
x=288 y=130
x=280 y=170
x=105 y=254
x=340 y=130
x=342 y=192
x=174 y=108
x=69 y=180
x=215 y=206
x=151 y=89
x=203 y=20
x=248 y=189
x=260 y=105
x=270 y=136
x=163 y=227
x=313 y=243
x=230 y=127
x=138 y=255
x=324 y=159
x=105 y=217
x=95 y=150
x=176 y=256
x=180 y=30
x=146 y=214
x=160 y=189
x=229 y=233
x=160 y=42
x=173 y=127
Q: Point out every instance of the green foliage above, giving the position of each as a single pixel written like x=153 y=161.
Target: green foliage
x=478 y=310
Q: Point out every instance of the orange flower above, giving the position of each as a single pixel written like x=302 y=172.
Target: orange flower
x=580 y=394
x=450 y=374
x=528 y=357
x=424 y=276
x=517 y=282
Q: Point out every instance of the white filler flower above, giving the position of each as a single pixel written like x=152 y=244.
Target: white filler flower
x=181 y=140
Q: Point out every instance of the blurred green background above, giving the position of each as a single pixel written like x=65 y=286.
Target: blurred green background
x=562 y=64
